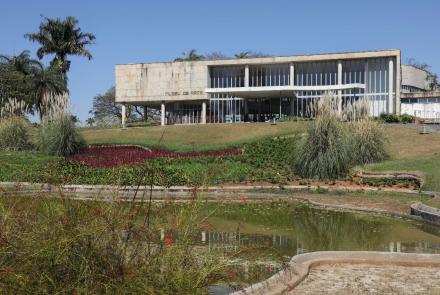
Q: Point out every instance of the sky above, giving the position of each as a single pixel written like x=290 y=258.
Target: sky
x=147 y=31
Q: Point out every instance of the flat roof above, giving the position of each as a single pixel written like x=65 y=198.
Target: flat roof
x=289 y=58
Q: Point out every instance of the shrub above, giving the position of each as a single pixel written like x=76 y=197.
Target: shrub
x=325 y=153
x=14 y=134
x=368 y=142
x=389 y=118
x=406 y=119
x=60 y=137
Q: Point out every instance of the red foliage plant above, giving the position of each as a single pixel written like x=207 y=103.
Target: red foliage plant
x=115 y=156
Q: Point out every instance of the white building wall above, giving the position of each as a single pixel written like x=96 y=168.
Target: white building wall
x=429 y=110
x=157 y=82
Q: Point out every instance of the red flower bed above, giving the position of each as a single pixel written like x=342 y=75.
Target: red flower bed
x=114 y=156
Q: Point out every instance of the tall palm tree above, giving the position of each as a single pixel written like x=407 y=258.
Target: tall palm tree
x=47 y=85
x=62 y=38
x=191 y=55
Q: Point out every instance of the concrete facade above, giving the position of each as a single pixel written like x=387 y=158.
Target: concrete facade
x=417 y=98
x=257 y=89
x=414 y=78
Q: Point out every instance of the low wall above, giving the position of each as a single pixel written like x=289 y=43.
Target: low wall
x=300 y=265
x=426 y=213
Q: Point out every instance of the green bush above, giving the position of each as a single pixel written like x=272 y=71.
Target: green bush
x=325 y=153
x=14 y=134
x=389 y=118
x=60 y=137
x=368 y=142
x=406 y=119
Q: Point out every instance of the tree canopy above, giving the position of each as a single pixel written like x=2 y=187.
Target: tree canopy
x=62 y=38
x=191 y=55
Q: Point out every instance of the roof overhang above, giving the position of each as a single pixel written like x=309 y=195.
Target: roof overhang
x=278 y=91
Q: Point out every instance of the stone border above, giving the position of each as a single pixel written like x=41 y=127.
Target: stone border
x=300 y=265
x=97 y=189
x=427 y=213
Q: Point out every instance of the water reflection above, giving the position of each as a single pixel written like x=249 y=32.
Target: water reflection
x=310 y=229
x=274 y=236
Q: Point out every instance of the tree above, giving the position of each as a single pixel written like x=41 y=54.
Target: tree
x=432 y=81
x=105 y=108
x=216 y=56
x=250 y=54
x=16 y=79
x=431 y=78
x=22 y=63
x=243 y=54
x=422 y=66
x=90 y=121
x=27 y=81
x=48 y=86
x=62 y=38
x=191 y=55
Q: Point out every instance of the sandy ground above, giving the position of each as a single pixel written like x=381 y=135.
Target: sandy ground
x=368 y=279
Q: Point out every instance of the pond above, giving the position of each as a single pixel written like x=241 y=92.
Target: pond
x=267 y=235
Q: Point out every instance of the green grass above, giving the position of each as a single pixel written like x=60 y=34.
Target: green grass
x=428 y=167
x=192 y=137
x=409 y=151
x=268 y=160
x=26 y=166
x=413 y=152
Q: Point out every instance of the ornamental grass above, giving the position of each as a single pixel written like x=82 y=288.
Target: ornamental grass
x=62 y=246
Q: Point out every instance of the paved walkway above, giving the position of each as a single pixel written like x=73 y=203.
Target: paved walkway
x=368 y=279
x=431 y=127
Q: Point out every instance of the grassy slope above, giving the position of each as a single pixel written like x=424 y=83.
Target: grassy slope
x=410 y=150
x=192 y=137
x=413 y=152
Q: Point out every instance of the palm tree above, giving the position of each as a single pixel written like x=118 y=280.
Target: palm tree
x=22 y=63
x=48 y=85
x=62 y=38
x=243 y=54
x=191 y=55
x=15 y=78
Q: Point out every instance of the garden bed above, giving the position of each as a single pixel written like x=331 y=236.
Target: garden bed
x=124 y=155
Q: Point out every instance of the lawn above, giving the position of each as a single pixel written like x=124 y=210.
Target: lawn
x=413 y=152
x=192 y=137
x=409 y=151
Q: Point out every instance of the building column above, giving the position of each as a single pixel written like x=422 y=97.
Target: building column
x=340 y=83
x=204 y=112
x=145 y=113
x=292 y=74
x=245 y=106
x=390 y=85
x=123 y=116
x=292 y=83
x=246 y=76
x=292 y=104
x=162 y=113
x=398 y=78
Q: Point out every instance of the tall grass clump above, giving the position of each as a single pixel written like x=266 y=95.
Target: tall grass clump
x=325 y=153
x=368 y=142
x=60 y=137
x=14 y=134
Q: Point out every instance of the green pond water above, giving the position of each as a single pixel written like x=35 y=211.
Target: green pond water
x=269 y=234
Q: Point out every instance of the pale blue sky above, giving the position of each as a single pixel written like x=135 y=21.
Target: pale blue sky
x=144 y=31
